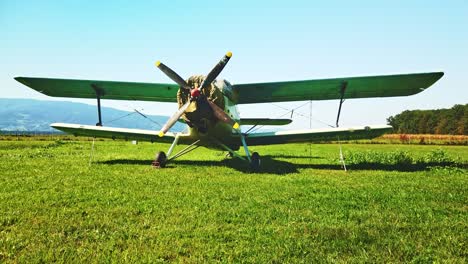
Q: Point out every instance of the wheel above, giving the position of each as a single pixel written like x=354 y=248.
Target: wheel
x=160 y=161
x=255 y=161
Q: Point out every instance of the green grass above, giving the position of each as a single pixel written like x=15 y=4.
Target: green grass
x=55 y=207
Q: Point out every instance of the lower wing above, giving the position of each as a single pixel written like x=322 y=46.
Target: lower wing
x=119 y=133
x=254 y=139
x=316 y=135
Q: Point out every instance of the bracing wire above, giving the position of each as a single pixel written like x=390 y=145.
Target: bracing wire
x=289 y=111
x=342 y=161
x=118 y=118
x=308 y=117
x=292 y=112
x=145 y=116
x=310 y=127
x=135 y=111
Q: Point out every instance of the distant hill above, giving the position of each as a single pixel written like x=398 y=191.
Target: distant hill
x=37 y=115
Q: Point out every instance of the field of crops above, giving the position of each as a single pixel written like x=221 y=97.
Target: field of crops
x=423 y=139
x=396 y=203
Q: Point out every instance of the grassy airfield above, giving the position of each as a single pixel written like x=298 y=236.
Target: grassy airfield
x=397 y=203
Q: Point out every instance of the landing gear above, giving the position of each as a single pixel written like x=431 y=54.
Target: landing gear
x=160 y=161
x=255 y=161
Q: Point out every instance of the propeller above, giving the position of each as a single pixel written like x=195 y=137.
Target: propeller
x=196 y=92
x=216 y=70
x=173 y=75
x=173 y=119
x=222 y=116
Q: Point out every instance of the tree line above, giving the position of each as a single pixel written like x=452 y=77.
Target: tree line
x=453 y=121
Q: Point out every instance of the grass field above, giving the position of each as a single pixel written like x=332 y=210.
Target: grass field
x=396 y=203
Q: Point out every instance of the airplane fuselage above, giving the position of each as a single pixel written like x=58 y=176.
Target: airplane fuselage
x=199 y=116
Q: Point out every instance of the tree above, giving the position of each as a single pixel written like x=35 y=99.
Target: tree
x=440 y=121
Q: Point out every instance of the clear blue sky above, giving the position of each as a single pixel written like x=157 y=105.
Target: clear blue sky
x=270 y=40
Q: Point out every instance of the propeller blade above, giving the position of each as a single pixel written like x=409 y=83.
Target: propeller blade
x=223 y=116
x=173 y=75
x=173 y=119
x=216 y=70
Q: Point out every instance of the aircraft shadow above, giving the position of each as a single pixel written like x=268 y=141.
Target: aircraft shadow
x=284 y=156
x=270 y=165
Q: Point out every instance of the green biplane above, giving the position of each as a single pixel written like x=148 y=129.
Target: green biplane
x=208 y=106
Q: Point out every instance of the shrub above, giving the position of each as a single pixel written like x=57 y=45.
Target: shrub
x=438 y=156
x=374 y=157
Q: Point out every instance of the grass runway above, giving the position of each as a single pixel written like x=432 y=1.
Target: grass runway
x=56 y=207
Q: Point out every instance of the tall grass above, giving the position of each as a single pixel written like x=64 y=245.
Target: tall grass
x=401 y=159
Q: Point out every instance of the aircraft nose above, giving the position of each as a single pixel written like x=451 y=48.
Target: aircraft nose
x=195 y=93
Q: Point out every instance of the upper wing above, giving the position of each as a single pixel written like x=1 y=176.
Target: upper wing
x=108 y=89
x=315 y=135
x=326 y=89
x=120 y=133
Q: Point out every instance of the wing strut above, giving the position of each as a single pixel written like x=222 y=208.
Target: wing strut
x=184 y=151
x=246 y=148
x=99 y=93
x=344 y=84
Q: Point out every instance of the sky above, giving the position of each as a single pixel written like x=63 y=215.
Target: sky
x=270 y=41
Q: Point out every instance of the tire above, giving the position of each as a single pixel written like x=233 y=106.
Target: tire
x=160 y=161
x=255 y=161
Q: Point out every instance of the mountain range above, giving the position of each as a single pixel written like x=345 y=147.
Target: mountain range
x=37 y=115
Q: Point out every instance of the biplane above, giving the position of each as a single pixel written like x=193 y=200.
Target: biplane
x=208 y=106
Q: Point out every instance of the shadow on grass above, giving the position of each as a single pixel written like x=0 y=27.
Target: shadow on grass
x=293 y=156
x=270 y=165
